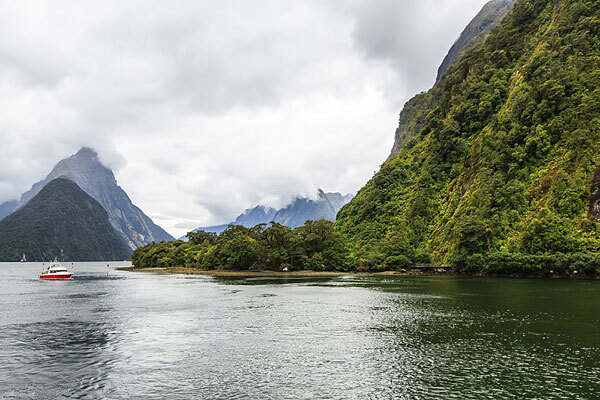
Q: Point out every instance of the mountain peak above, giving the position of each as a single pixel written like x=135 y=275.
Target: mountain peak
x=85 y=169
x=60 y=217
x=86 y=152
x=296 y=213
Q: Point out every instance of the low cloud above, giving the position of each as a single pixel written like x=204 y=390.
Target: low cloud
x=206 y=108
x=411 y=37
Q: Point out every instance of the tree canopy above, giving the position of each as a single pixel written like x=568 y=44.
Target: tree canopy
x=314 y=246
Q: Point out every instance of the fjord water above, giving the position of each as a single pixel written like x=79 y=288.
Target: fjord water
x=140 y=335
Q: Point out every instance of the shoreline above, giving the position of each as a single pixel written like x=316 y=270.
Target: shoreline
x=309 y=273
x=266 y=273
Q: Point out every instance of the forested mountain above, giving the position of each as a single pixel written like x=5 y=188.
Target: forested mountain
x=300 y=210
x=131 y=224
x=412 y=116
x=61 y=218
x=501 y=157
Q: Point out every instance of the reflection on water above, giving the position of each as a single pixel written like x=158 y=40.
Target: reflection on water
x=66 y=358
x=132 y=335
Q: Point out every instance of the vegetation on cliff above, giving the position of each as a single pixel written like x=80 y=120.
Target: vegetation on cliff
x=412 y=116
x=502 y=156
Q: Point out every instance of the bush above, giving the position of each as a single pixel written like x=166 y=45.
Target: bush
x=398 y=262
x=537 y=264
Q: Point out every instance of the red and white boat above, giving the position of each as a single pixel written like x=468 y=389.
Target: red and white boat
x=56 y=271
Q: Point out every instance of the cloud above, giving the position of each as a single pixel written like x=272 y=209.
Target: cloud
x=412 y=37
x=205 y=108
x=187 y=225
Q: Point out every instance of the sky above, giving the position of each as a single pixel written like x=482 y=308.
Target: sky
x=204 y=108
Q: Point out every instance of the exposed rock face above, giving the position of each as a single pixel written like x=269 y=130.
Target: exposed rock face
x=61 y=220
x=412 y=116
x=490 y=15
x=256 y=215
x=326 y=206
x=412 y=119
x=131 y=224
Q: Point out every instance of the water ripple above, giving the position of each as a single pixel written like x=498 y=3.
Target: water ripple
x=168 y=337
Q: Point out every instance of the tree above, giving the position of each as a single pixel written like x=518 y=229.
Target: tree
x=202 y=237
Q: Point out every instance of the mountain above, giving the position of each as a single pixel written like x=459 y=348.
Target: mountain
x=60 y=218
x=7 y=208
x=131 y=224
x=326 y=206
x=412 y=116
x=249 y=218
x=301 y=209
x=501 y=157
x=475 y=33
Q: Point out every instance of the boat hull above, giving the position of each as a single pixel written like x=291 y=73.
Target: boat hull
x=55 y=277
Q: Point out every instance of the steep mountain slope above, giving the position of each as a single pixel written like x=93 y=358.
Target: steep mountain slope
x=84 y=168
x=301 y=209
x=412 y=116
x=61 y=217
x=507 y=155
x=475 y=33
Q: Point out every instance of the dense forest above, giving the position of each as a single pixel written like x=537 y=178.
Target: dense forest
x=497 y=168
x=314 y=246
x=500 y=160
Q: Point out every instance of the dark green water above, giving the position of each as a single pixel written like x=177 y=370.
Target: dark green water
x=134 y=335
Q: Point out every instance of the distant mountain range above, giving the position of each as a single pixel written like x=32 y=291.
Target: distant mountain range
x=60 y=221
x=131 y=224
x=301 y=209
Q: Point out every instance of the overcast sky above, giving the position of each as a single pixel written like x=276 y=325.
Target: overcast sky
x=205 y=108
